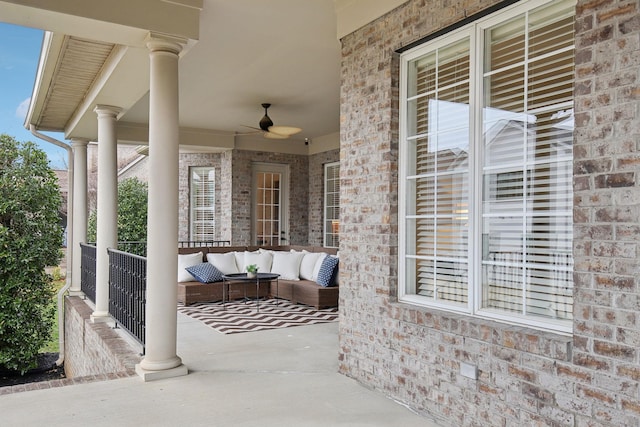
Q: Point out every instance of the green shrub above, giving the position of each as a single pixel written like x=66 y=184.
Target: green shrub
x=30 y=240
x=132 y=215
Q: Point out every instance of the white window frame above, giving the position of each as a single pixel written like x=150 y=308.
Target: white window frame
x=193 y=204
x=325 y=218
x=474 y=31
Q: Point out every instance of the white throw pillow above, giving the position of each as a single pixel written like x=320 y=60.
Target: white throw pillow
x=262 y=259
x=187 y=260
x=225 y=262
x=287 y=264
x=308 y=264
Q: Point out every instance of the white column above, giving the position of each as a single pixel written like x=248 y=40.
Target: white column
x=161 y=360
x=79 y=147
x=107 y=207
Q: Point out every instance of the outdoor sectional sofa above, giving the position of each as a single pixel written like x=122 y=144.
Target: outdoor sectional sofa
x=298 y=266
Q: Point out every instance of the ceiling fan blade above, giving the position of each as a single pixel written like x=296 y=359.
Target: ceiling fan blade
x=254 y=128
x=273 y=135
x=284 y=130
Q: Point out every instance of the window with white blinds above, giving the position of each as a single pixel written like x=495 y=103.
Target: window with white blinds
x=486 y=167
x=202 y=204
x=332 y=205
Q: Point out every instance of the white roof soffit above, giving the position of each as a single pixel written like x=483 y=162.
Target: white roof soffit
x=67 y=70
x=76 y=73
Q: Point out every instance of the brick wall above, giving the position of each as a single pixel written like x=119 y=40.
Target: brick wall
x=233 y=201
x=607 y=211
x=525 y=377
x=316 y=193
x=94 y=349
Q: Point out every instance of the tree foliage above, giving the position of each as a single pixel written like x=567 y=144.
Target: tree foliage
x=132 y=214
x=30 y=240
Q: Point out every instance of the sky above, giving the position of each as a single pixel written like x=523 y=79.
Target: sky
x=19 y=54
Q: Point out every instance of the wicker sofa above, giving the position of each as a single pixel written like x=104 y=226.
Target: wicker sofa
x=304 y=290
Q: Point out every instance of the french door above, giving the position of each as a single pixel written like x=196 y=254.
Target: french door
x=270 y=204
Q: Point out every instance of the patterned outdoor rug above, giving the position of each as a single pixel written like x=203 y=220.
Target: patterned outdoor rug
x=243 y=317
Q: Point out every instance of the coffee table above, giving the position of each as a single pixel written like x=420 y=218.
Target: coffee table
x=227 y=279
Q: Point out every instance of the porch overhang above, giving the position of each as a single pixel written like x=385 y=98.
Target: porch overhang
x=94 y=54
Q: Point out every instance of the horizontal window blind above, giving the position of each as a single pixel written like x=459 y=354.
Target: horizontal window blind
x=202 y=204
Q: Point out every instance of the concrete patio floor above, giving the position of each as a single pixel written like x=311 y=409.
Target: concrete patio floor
x=283 y=377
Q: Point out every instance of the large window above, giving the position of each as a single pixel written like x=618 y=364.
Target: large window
x=486 y=167
x=332 y=205
x=202 y=204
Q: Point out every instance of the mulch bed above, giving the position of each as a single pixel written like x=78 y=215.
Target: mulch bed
x=46 y=370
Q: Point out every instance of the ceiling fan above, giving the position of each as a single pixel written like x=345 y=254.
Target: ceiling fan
x=274 y=132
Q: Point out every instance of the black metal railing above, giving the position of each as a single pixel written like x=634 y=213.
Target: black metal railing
x=88 y=271
x=127 y=291
x=198 y=244
x=127 y=281
x=136 y=248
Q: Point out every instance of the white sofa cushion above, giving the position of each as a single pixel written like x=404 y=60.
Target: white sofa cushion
x=308 y=264
x=287 y=264
x=239 y=260
x=187 y=260
x=225 y=262
x=262 y=259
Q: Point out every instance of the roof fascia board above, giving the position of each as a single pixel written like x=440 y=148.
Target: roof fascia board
x=49 y=53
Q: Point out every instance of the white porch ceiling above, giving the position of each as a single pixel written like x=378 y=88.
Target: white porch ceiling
x=285 y=52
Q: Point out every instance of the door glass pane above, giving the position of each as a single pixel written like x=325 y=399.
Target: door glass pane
x=332 y=205
x=267 y=208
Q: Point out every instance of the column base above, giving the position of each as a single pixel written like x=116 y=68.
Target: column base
x=100 y=317
x=148 y=375
x=75 y=293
